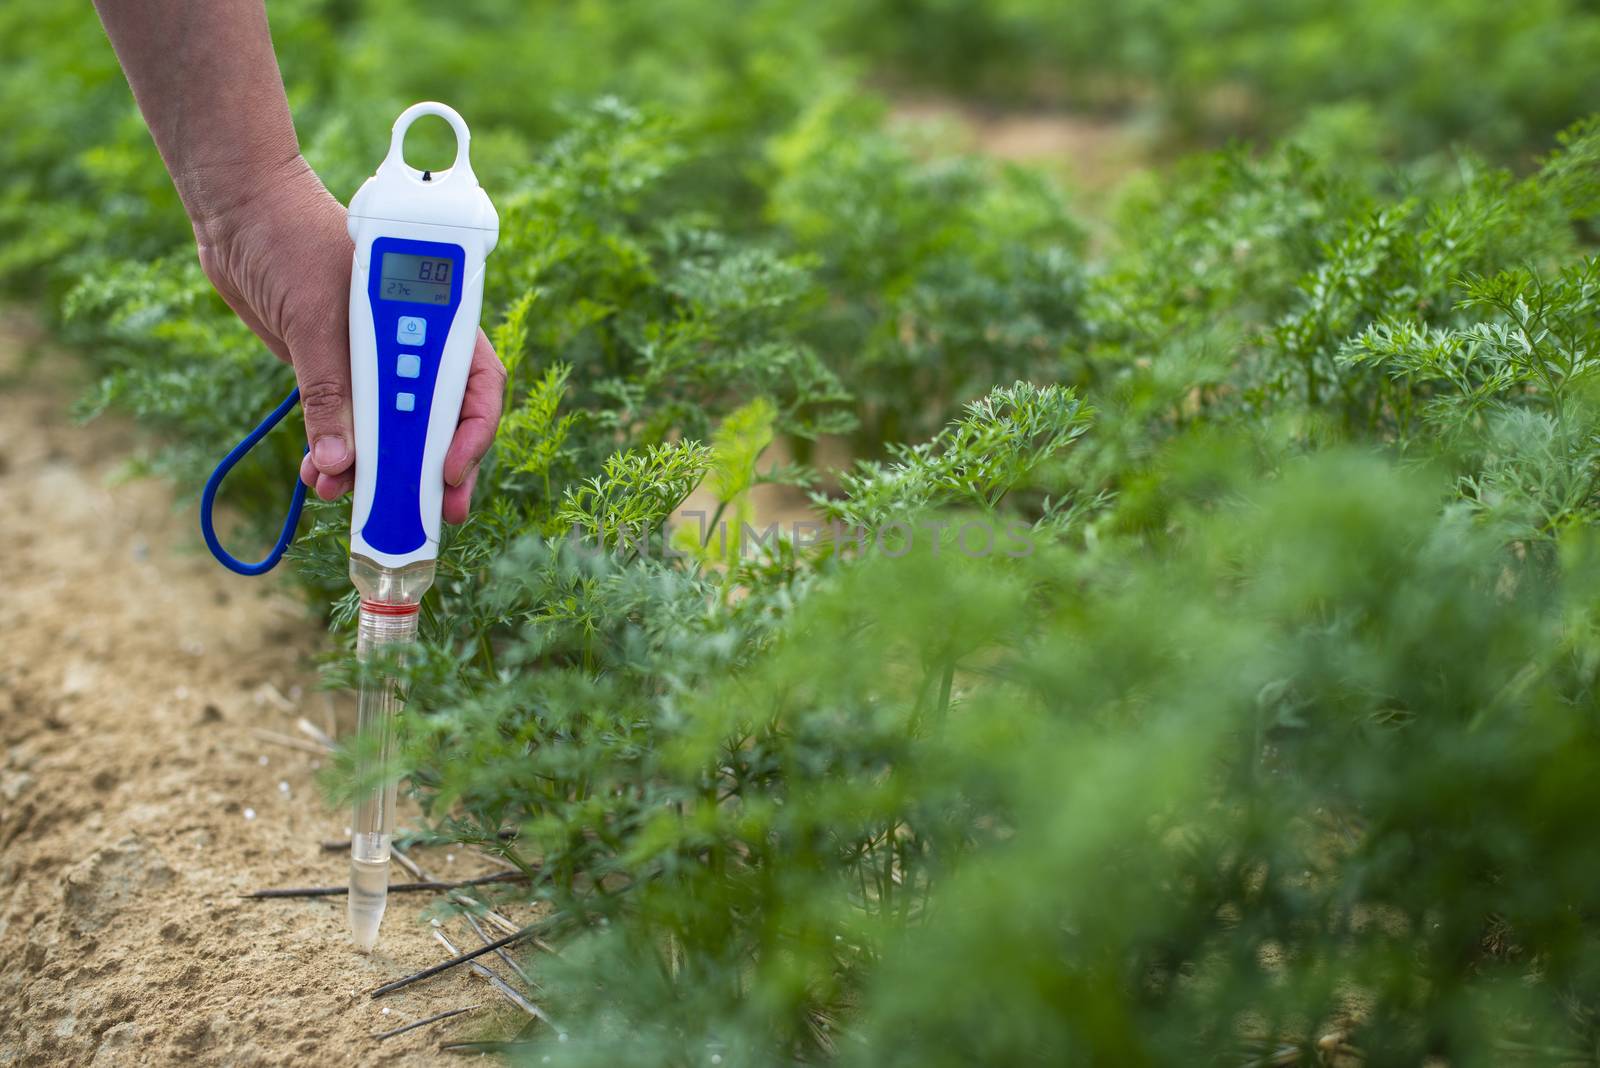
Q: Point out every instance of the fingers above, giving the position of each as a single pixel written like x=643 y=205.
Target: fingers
x=480 y=418
x=458 y=499
x=332 y=487
x=322 y=364
x=327 y=487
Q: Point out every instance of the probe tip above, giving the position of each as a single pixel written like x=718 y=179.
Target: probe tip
x=364 y=928
x=369 y=893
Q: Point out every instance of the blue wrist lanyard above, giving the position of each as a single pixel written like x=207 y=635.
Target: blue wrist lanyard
x=209 y=496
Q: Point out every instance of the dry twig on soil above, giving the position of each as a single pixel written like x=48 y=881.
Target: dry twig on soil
x=315 y=732
x=408 y=864
x=394 y=888
x=483 y=937
x=335 y=845
x=506 y=990
x=424 y=1023
x=467 y=901
x=286 y=741
x=483 y=1047
x=532 y=931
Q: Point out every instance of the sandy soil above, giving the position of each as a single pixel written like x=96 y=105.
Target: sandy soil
x=136 y=803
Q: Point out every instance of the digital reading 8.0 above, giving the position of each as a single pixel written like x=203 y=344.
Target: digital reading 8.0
x=418 y=279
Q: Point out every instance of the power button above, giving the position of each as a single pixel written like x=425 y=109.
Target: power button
x=413 y=330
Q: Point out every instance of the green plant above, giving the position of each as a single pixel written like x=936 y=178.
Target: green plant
x=1424 y=74
x=1262 y=724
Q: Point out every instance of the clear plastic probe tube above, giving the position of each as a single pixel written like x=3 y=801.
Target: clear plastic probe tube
x=387 y=627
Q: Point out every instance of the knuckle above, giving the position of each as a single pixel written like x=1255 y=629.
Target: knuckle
x=322 y=398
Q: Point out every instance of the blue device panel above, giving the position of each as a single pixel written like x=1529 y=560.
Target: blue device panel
x=413 y=289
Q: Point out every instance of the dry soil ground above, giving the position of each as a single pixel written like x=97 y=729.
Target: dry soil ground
x=136 y=801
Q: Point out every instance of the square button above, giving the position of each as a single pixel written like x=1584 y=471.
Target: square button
x=405 y=402
x=413 y=330
x=409 y=367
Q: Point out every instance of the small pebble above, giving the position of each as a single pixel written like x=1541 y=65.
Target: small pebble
x=249 y=813
x=386 y=1010
x=283 y=786
x=262 y=760
x=449 y=858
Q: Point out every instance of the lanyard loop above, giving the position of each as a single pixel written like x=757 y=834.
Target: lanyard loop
x=209 y=496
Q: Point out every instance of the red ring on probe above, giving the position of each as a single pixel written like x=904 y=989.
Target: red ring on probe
x=378 y=608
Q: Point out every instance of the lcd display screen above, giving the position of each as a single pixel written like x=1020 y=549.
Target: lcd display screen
x=417 y=279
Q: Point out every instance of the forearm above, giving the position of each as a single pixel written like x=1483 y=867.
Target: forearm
x=206 y=78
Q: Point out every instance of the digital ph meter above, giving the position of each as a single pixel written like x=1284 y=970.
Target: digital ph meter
x=416 y=291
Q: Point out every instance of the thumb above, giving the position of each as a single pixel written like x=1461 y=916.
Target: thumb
x=323 y=370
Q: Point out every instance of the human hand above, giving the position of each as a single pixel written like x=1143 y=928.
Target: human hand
x=281 y=259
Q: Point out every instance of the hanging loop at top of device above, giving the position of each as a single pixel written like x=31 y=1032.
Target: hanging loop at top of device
x=398 y=193
x=461 y=168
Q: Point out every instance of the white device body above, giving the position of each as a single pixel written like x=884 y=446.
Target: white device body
x=448 y=208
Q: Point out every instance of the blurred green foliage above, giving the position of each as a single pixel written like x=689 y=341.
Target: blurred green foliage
x=1227 y=694
x=1425 y=72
